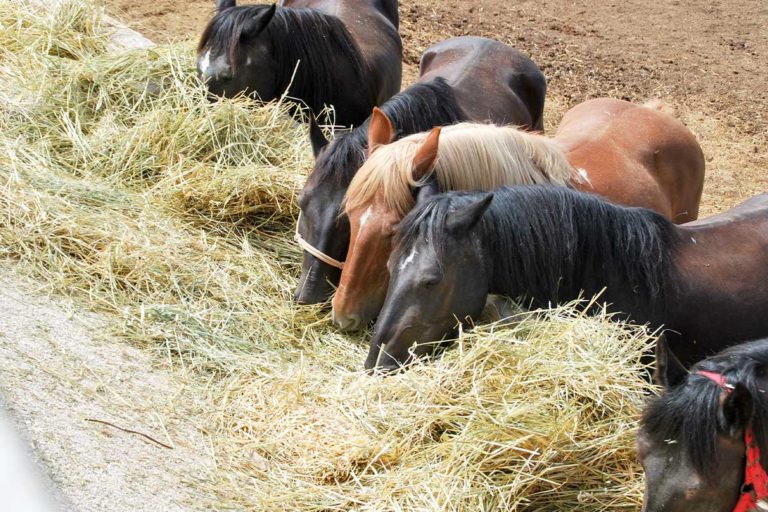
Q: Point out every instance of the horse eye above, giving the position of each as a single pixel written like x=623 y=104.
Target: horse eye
x=430 y=282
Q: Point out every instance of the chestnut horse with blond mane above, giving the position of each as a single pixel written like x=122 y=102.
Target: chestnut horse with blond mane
x=630 y=154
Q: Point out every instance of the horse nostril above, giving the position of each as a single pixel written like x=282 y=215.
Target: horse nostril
x=346 y=322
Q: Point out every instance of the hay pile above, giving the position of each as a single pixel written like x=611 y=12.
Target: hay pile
x=125 y=189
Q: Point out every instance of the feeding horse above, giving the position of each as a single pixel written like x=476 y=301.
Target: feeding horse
x=631 y=154
x=462 y=78
x=704 y=442
x=341 y=53
x=704 y=282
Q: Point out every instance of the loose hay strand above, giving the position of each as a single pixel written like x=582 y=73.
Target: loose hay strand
x=126 y=189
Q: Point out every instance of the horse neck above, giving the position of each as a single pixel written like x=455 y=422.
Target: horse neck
x=314 y=77
x=575 y=259
x=422 y=107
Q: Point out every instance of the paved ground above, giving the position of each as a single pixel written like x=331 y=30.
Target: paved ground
x=59 y=370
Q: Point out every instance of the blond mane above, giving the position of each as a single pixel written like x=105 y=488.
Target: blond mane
x=471 y=156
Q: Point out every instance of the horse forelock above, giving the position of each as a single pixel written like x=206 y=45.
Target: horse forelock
x=384 y=172
x=471 y=156
x=689 y=413
x=224 y=30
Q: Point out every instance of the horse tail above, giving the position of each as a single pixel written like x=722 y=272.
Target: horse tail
x=661 y=106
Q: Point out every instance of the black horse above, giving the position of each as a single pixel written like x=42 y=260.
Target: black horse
x=344 y=53
x=704 y=281
x=698 y=440
x=462 y=79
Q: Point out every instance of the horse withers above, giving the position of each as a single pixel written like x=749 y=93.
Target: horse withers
x=341 y=53
x=631 y=154
x=704 y=442
x=703 y=282
x=464 y=78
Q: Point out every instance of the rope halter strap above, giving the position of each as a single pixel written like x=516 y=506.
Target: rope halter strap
x=314 y=251
x=754 y=490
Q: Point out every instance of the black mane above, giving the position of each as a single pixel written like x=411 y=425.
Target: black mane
x=305 y=35
x=688 y=413
x=419 y=108
x=549 y=243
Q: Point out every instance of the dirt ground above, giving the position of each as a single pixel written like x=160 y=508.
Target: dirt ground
x=709 y=59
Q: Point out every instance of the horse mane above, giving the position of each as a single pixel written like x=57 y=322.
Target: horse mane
x=471 y=156
x=416 y=109
x=688 y=413
x=304 y=34
x=551 y=243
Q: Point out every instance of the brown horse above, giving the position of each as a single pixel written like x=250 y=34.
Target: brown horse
x=703 y=282
x=464 y=78
x=634 y=156
x=631 y=154
x=341 y=53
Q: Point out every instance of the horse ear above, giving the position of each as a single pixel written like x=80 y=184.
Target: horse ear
x=380 y=130
x=669 y=370
x=259 y=22
x=426 y=156
x=466 y=218
x=224 y=4
x=316 y=136
x=427 y=191
x=737 y=409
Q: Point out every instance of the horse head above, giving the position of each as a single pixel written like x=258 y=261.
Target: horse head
x=372 y=221
x=234 y=56
x=322 y=227
x=439 y=277
x=692 y=439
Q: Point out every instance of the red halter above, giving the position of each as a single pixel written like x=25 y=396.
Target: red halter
x=755 y=486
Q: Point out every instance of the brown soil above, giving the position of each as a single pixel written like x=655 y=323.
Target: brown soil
x=709 y=59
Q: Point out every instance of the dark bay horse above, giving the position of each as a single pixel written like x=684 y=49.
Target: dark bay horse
x=704 y=442
x=344 y=53
x=464 y=78
x=632 y=154
x=703 y=282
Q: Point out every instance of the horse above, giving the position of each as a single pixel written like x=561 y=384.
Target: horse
x=636 y=155
x=464 y=78
x=702 y=282
x=704 y=442
x=341 y=53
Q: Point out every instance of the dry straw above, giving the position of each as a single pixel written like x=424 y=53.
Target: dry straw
x=125 y=188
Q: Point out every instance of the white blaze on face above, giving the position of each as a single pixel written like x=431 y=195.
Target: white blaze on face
x=205 y=63
x=407 y=261
x=366 y=216
x=583 y=174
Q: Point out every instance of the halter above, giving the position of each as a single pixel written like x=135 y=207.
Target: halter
x=313 y=251
x=754 y=490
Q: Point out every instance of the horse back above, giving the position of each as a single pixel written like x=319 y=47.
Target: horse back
x=492 y=81
x=635 y=155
